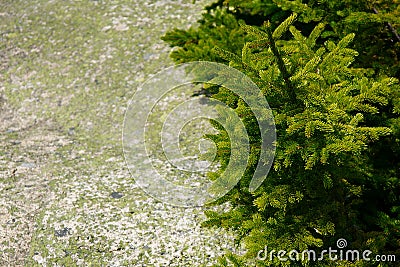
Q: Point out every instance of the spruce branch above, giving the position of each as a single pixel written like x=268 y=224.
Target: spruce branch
x=281 y=64
x=284 y=26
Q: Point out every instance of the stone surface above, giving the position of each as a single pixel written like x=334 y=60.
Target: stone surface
x=67 y=71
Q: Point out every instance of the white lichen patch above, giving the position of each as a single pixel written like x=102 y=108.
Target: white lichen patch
x=131 y=229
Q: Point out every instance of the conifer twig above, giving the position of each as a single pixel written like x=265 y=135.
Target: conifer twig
x=281 y=65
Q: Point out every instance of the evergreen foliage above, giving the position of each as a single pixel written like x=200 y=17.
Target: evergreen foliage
x=336 y=172
x=373 y=22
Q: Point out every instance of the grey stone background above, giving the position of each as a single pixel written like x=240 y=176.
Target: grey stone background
x=67 y=71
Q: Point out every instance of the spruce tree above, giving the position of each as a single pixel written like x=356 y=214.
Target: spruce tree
x=336 y=169
x=325 y=183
